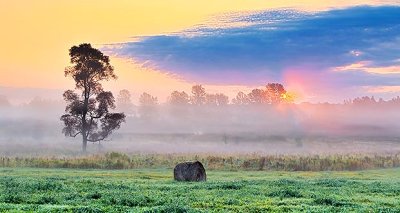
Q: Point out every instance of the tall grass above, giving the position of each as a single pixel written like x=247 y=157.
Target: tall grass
x=253 y=162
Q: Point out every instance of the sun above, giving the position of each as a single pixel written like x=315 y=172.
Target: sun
x=288 y=97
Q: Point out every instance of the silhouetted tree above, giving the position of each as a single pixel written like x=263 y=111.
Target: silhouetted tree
x=179 y=98
x=38 y=103
x=257 y=96
x=221 y=99
x=178 y=104
x=198 y=95
x=218 y=99
x=148 y=100
x=241 y=99
x=148 y=105
x=124 y=101
x=274 y=93
x=88 y=110
x=347 y=102
x=364 y=101
x=371 y=101
x=4 y=101
x=395 y=100
x=211 y=100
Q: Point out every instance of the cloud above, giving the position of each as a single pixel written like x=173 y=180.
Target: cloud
x=383 y=89
x=364 y=66
x=255 y=47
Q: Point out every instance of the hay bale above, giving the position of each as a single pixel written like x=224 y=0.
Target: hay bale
x=190 y=171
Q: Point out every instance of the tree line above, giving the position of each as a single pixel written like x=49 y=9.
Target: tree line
x=274 y=93
x=371 y=101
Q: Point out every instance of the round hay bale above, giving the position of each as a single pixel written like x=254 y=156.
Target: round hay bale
x=190 y=171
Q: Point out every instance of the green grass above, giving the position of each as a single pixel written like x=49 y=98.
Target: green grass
x=153 y=190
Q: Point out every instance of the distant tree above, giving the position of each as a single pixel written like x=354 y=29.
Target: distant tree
x=39 y=103
x=147 y=100
x=124 y=101
x=241 y=99
x=88 y=110
x=275 y=93
x=395 y=100
x=370 y=101
x=347 y=102
x=221 y=99
x=179 y=98
x=198 y=95
x=178 y=102
x=218 y=99
x=364 y=101
x=4 y=101
x=211 y=100
x=148 y=105
x=257 y=96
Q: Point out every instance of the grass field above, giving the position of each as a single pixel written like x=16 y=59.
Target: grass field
x=153 y=190
x=235 y=162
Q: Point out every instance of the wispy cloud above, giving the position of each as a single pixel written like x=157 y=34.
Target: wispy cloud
x=365 y=67
x=383 y=89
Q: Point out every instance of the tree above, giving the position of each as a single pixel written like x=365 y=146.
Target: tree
x=257 y=96
x=275 y=92
x=198 y=95
x=147 y=100
x=364 y=101
x=38 y=103
x=4 y=101
x=395 y=100
x=178 y=104
x=124 y=101
x=88 y=107
x=241 y=99
x=179 y=98
x=218 y=99
x=221 y=99
x=211 y=100
x=148 y=105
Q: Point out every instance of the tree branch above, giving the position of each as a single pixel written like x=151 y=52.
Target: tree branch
x=71 y=135
x=97 y=140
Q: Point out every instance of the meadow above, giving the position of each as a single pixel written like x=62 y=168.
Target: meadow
x=154 y=190
x=222 y=162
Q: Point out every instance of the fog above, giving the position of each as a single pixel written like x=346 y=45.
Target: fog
x=34 y=128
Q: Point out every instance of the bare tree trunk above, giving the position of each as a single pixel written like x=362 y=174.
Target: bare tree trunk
x=84 y=124
x=84 y=144
x=84 y=135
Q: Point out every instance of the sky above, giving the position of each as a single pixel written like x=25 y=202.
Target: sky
x=320 y=50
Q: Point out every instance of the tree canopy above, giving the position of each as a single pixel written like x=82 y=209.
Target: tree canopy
x=198 y=95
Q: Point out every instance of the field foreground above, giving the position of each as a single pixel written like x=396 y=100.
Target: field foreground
x=153 y=190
